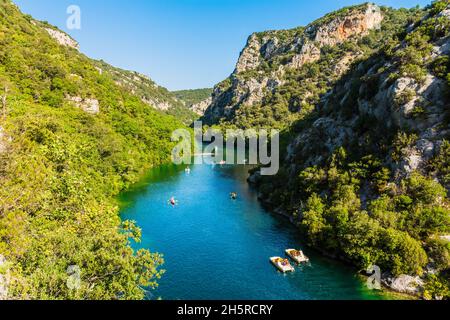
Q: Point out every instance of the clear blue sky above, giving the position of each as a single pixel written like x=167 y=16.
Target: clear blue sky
x=181 y=44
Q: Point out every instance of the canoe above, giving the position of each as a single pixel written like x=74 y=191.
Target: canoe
x=281 y=264
x=297 y=255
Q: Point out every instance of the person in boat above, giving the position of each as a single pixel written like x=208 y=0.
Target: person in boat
x=233 y=195
x=172 y=201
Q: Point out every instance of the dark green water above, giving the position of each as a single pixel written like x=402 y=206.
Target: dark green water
x=216 y=248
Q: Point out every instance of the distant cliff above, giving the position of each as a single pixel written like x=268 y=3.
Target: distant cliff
x=197 y=100
x=149 y=92
x=271 y=61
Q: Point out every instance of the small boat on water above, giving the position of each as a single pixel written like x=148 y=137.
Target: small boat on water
x=187 y=170
x=297 y=255
x=282 y=264
x=173 y=202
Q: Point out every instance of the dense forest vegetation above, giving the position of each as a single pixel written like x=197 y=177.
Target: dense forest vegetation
x=61 y=168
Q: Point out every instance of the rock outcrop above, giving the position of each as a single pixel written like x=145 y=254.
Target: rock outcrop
x=404 y=284
x=154 y=103
x=395 y=105
x=385 y=107
x=200 y=108
x=331 y=32
x=135 y=83
x=63 y=38
x=338 y=30
x=88 y=105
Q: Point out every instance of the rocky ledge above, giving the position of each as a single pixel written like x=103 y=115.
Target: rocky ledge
x=91 y=106
x=62 y=38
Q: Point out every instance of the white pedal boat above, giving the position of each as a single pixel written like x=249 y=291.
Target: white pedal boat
x=297 y=255
x=282 y=264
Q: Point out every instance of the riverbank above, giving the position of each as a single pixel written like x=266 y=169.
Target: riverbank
x=404 y=286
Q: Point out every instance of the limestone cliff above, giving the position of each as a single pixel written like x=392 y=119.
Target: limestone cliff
x=63 y=38
x=329 y=31
x=266 y=63
x=201 y=107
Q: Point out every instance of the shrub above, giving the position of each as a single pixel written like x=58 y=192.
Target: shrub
x=404 y=97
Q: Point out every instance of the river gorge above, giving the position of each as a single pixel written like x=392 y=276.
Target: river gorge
x=217 y=248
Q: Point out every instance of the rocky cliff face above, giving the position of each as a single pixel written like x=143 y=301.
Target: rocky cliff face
x=268 y=59
x=363 y=98
x=91 y=106
x=135 y=83
x=201 y=107
x=44 y=139
x=62 y=38
x=329 y=31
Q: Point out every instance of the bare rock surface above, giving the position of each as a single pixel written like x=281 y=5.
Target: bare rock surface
x=404 y=284
x=89 y=105
x=200 y=108
x=62 y=38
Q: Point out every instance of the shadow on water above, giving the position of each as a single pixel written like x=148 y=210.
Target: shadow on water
x=161 y=174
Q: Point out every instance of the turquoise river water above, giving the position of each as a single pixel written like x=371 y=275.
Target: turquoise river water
x=217 y=248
